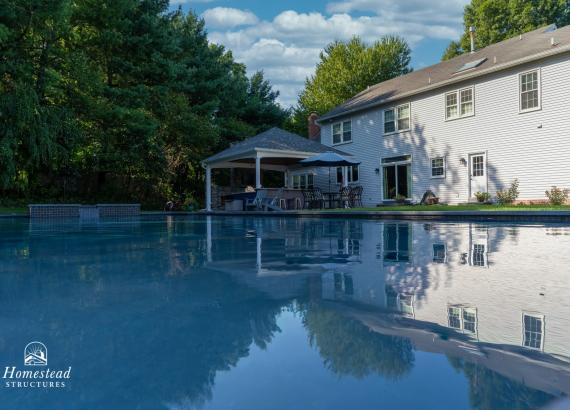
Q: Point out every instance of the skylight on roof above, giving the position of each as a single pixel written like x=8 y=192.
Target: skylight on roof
x=470 y=65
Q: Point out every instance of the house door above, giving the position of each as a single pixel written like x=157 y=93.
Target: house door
x=477 y=173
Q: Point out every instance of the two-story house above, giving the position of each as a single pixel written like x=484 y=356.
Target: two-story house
x=470 y=124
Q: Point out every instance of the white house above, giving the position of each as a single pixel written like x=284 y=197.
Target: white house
x=470 y=124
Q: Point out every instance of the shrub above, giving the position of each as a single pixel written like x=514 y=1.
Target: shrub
x=557 y=196
x=509 y=196
x=400 y=199
x=483 y=196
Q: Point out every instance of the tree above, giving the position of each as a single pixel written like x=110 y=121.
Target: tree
x=347 y=68
x=117 y=100
x=497 y=20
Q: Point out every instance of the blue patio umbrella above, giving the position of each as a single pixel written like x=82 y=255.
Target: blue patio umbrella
x=328 y=159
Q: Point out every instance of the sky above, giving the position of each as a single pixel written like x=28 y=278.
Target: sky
x=284 y=38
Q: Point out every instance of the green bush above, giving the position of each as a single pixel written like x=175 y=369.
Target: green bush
x=510 y=195
x=557 y=196
x=483 y=196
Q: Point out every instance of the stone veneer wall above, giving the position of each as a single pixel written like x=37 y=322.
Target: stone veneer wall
x=74 y=210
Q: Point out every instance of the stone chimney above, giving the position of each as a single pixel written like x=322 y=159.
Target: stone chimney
x=314 y=129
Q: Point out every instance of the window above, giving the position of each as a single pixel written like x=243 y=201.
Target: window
x=459 y=104
x=454 y=317
x=470 y=320
x=533 y=331
x=466 y=101
x=352 y=174
x=342 y=132
x=397 y=119
x=478 y=257
x=389 y=123
x=478 y=163
x=462 y=318
x=529 y=91
x=303 y=181
x=438 y=167
x=397 y=242
x=439 y=253
x=451 y=105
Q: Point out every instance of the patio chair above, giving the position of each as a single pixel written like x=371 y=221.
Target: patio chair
x=258 y=201
x=318 y=199
x=307 y=198
x=356 y=196
x=345 y=197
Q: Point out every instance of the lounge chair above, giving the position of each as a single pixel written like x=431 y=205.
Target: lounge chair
x=257 y=202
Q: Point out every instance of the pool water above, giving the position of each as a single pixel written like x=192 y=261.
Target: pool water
x=287 y=313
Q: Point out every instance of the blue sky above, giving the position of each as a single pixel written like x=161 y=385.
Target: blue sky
x=283 y=38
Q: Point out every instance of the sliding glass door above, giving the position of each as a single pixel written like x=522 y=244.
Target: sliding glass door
x=397 y=177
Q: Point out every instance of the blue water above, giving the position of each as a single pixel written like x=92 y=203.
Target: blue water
x=286 y=313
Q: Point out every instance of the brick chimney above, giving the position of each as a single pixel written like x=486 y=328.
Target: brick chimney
x=314 y=129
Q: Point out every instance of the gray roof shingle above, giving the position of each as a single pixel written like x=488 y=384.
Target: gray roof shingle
x=274 y=139
x=517 y=50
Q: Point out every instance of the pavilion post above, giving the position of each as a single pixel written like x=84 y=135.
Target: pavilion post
x=257 y=172
x=344 y=176
x=208 y=188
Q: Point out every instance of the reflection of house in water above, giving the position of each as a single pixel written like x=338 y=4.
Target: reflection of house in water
x=490 y=295
x=485 y=288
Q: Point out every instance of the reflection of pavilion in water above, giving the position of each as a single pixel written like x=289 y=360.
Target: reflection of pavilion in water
x=489 y=294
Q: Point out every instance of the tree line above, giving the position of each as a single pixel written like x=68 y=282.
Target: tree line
x=117 y=100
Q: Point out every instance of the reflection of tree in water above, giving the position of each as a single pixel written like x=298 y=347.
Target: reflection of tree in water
x=492 y=391
x=350 y=348
x=186 y=328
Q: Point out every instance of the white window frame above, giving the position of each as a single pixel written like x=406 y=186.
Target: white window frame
x=349 y=170
x=442 y=176
x=395 y=109
x=462 y=309
x=458 y=97
x=542 y=328
x=342 y=141
x=299 y=176
x=539 y=89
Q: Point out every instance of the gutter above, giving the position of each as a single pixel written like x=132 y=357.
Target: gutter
x=453 y=80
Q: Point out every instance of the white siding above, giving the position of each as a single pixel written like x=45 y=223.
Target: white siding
x=533 y=147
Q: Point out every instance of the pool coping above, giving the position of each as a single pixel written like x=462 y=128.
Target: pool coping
x=527 y=215
x=547 y=216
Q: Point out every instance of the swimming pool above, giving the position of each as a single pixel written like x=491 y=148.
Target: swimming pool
x=286 y=313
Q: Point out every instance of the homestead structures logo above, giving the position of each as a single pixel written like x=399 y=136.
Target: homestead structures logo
x=36 y=355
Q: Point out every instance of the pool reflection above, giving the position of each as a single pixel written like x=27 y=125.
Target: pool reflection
x=178 y=313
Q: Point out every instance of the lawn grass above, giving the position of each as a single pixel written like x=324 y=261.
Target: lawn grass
x=13 y=210
x=466 y=207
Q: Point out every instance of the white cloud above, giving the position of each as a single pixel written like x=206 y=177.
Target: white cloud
x=287 y=47
x=225 y=17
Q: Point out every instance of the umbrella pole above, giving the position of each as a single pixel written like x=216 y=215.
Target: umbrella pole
x=330 y=187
